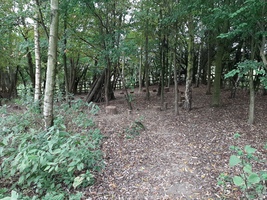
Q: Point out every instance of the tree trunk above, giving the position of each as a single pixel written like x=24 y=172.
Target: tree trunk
x=176 y=107
x=37 y=90
x=198 y=66
x=128 y=98
x=218 y=71
x=31 y=67
x=66 y=74
x=140 y=71
x=208 y=92
x=162 y=71
x=107 y=84
x=51 y=65
x=251 y=98
x=146 y=62
x=188 y=88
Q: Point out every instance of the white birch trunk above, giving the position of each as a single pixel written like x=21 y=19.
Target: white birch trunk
x=37 y=90
x=51 y=65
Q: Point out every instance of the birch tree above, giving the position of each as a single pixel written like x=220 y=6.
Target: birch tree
x=51 y=65
x=37 y=91
x=189 y=77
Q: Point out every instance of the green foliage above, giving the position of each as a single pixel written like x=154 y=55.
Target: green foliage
x=46 y=162
x=49 y=196
x=244 y=67
x=252 y=183
x=14 y=196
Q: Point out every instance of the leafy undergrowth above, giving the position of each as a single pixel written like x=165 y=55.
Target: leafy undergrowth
x=51 y=164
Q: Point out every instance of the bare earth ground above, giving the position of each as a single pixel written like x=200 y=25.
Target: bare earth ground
x=175 y=157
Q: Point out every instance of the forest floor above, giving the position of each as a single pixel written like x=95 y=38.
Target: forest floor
x=174 y=157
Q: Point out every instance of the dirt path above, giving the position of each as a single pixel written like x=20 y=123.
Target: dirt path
x=174 y=157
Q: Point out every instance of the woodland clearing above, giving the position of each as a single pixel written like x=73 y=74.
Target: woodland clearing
x=174 y=157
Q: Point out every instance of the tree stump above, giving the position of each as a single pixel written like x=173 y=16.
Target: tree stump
x=111 y=110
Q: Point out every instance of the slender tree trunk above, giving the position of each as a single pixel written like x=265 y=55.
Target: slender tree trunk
x=176 y=107
x=188 y=88
x=198 y=66
x=140 y=71
x=208 y=92
x=37 y=91
x=251 y=114
x=127 y=96
x=107 y=84
x=31 y=67
x=66 y=73
x=218 y=71
x=51 y=65
x=146 y=63
x=162 y=72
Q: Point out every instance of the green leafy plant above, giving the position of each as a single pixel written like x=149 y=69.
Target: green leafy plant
x=48 y=162
x=252 y=183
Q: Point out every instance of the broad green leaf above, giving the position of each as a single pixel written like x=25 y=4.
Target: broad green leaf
x=248 y=168
x=232 y=147
x=238 y=181
x=234 y=160
x=21 y=179
x=249 y=149
x=14 y=195
x=254 y=178
x=237 y=135
x=56 y=151
x=47 y=168
x=264 y=175
x=80 y=166
x=70 y=169
x=231 y=73
x=78 y=181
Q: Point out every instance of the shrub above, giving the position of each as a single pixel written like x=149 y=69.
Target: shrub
x=54 y=161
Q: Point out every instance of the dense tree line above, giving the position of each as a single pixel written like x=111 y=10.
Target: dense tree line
x=153 y=42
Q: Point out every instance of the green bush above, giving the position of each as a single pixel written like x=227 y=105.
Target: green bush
x=49 y=162
x=252 y=183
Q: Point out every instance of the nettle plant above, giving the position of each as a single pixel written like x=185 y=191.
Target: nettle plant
x=252 y=183
x=52 y=162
